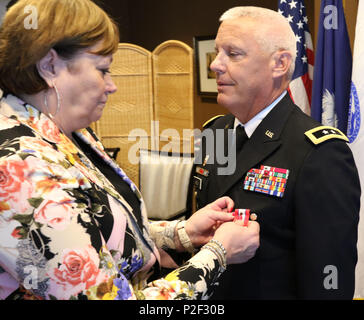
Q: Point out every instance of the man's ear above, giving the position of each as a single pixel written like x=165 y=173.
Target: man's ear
x=49 y=66
x=282 y=61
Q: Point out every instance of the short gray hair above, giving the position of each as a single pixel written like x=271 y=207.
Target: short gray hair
x=286 y=40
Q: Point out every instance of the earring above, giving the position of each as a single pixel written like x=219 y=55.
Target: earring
x=58 y=101
x=46 y=105
x=58 y=98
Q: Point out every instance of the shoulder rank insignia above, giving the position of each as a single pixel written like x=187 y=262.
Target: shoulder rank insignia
x=320 y=134
x=211 y=121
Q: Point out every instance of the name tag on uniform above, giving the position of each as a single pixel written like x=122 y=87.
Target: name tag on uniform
x=268 y=180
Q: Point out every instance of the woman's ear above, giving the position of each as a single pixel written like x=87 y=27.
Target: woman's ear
x=282 y=61
x=49 y=66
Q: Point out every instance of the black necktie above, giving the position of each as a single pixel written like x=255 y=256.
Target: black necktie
x=241 y=137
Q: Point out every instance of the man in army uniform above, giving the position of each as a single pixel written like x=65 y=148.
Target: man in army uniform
x=297 y=176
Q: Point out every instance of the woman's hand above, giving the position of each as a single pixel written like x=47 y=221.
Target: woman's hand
x=201 y=226
x=240 y=242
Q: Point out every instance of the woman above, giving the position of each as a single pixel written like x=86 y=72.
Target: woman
x=72 y=225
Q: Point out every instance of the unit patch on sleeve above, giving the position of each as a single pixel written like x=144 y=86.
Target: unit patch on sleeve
x=320 y=134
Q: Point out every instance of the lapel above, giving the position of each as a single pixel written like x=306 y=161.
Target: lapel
x=265 y=140
x=140 y=225
x=209 y=155
x=97 y=147
x=87 y=136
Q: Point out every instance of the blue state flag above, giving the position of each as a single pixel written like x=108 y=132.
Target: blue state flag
x=356 y=137
x=333 y=66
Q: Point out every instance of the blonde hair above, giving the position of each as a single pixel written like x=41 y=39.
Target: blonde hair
x=67 y=26
x=270 y=41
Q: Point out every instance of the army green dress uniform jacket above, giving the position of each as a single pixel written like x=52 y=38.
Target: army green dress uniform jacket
x=309 y=233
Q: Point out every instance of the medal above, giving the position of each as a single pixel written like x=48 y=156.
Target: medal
x=244 y=215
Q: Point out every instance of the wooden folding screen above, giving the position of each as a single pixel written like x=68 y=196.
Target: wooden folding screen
x=154 y=100
x=173 y=95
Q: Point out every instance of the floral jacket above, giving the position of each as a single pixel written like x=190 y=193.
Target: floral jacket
x=55 y=206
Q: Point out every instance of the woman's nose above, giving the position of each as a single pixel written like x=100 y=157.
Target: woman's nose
x=110 y=85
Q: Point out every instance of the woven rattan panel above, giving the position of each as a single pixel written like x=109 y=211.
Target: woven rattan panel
x=131 y=106
x=173 y=86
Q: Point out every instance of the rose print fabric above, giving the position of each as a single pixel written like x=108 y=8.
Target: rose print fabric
x=65 y=230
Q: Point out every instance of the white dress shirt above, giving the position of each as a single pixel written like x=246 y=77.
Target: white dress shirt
x=253 y=123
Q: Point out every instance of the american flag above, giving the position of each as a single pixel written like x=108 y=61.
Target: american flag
x=300 y=87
